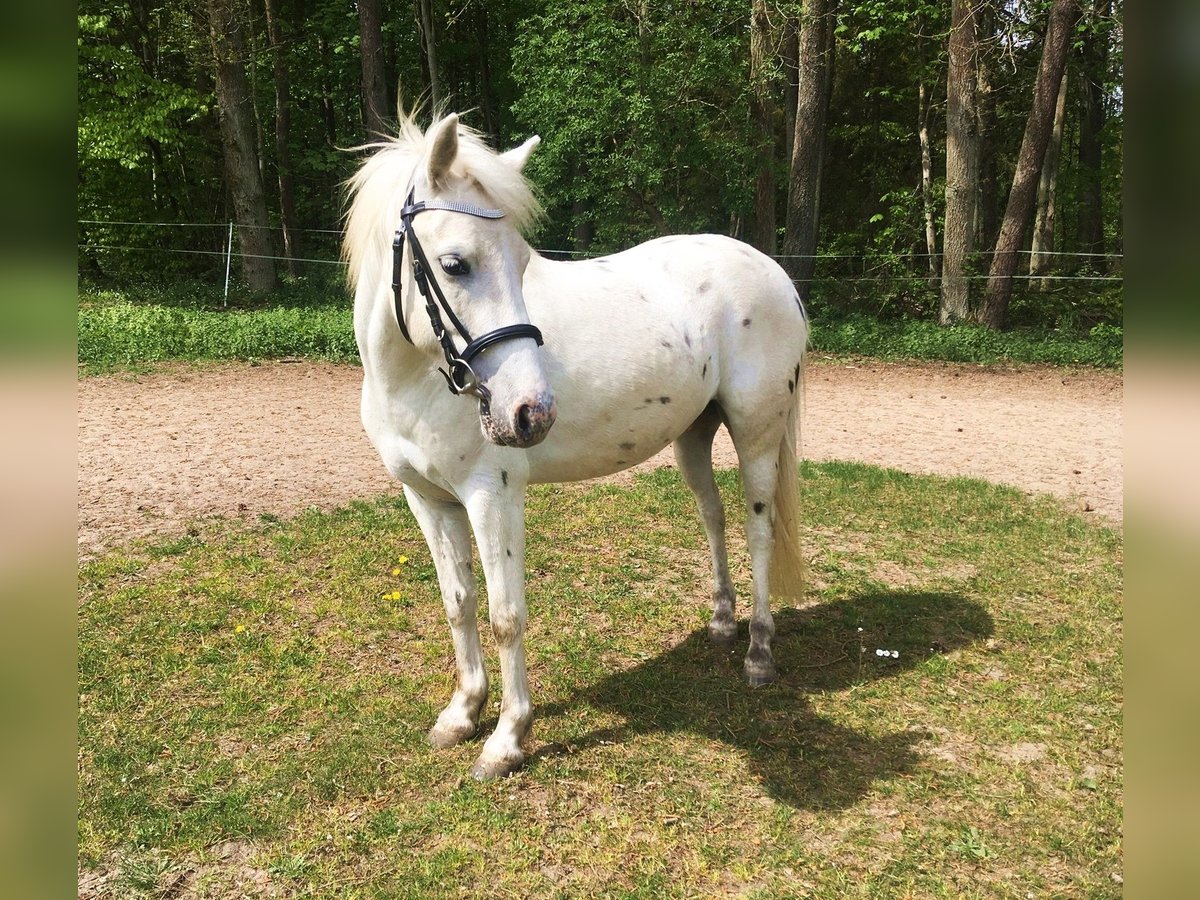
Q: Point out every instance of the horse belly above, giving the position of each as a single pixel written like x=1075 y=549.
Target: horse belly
x=616 y=429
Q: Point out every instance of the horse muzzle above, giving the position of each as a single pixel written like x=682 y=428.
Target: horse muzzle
x=525 y=424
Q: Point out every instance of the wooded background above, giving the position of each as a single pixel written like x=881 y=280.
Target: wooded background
x=906 y=159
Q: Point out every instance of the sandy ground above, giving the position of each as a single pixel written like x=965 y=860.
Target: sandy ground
x=156 y=451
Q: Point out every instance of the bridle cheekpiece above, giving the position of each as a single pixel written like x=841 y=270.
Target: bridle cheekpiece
x=459 y=375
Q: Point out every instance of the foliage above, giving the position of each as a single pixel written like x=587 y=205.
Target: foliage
x=644 y=109
x=126 y=113
x=253 y=701
x=312 y=318
x=644 y=112
x=189 y=324
x=860 y=335
x=146 y=137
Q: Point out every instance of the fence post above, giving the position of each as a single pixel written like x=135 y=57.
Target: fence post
x=228 y=260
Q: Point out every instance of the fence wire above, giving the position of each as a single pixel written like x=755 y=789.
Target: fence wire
x=866 y=260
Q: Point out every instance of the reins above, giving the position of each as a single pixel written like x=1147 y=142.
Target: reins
x=459 y=375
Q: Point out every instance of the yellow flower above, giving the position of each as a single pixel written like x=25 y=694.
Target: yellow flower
x=395 y=571
x=239 y=629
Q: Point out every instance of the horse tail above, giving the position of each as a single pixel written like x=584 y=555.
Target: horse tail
x=787 y=561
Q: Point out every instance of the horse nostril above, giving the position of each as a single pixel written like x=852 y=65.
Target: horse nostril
x=524 y=422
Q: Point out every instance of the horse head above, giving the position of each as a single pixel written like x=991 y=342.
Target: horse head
x=458 y=263
x=479 y=263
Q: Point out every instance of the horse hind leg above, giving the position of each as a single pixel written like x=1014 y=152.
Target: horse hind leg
x=758 y=441
x=693 y=454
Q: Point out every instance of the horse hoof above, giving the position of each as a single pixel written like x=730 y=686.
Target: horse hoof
x=759 y=676
x=723 y=633
x=490 y=769
x=445 y=738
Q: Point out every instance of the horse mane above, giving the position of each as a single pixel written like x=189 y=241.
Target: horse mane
x=374 y=192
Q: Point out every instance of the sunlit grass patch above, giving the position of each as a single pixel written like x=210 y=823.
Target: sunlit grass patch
x=254 y=703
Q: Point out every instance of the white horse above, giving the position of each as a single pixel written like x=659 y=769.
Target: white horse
x=659 y=344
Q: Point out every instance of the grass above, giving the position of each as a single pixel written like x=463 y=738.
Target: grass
x=143 y=326
x=119 y=330
x=253 y=710
x=861 y=335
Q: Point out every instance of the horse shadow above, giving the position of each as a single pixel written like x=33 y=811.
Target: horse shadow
x=799 y=756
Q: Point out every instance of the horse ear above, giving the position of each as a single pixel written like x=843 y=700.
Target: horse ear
x=518 y=156
x=443 y=148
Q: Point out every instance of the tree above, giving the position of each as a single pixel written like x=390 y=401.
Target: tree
x=145 y=139
x=762 y=120
x=962 y=164
x=283 y=120
x=815 y=63
x=650 y=122
x=987 y=57
x=645 y=114
x=374 y=86
x=1093 y=69
x=1041 y=255
x=923 y=108
x=1021 y=197
x=237 y=141
x=487 y=91
x=428 y=26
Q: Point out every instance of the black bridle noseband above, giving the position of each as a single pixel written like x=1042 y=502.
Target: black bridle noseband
x=458 y=373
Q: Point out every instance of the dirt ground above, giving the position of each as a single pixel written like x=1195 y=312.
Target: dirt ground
x=156 y=451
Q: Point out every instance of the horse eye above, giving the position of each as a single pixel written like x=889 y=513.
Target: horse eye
x=454 y=265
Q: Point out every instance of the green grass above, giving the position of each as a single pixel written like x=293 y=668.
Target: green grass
x=984 y=761
x=188 y=322
x=861 y=335
x=143 y=326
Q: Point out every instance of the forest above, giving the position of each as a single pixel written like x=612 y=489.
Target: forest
x=946 y=160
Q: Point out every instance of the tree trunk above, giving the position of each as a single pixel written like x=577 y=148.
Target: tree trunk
x=923 y=105
x=237 y=139
x=1042 y=256
x=260 y=141
x=487 y=94
x=987 y=212
x=1021 y=198
x=328 y=118
x=962 y=164
x=283 y=120
x=789 y=57
x=645 y=51
x=374 y=84
x=762 y=118
x=429 y=45
x=815 y=64
x=1091 y=126
x=582 y=228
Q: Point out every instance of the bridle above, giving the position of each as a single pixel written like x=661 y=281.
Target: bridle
x=459 y=375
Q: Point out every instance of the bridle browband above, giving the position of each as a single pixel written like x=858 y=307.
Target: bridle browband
x=458 y=373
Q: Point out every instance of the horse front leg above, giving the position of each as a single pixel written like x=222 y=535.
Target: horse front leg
x=497 y=516
x=448 y=533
